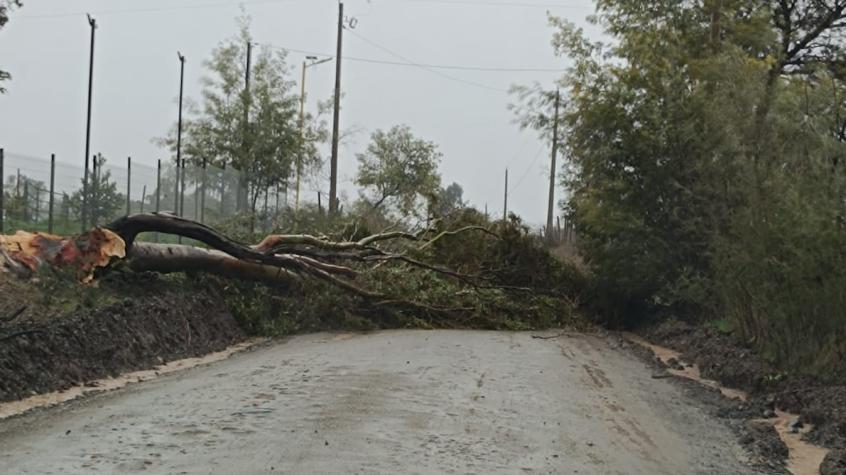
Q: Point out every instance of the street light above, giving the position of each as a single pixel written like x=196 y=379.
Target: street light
x=309 y=61
x=93 y=24
x=179 y=202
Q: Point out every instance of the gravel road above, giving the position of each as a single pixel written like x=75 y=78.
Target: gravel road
x=388 y=402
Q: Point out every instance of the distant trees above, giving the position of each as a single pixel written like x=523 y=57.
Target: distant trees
x=24 y=197
x=263 y=148
x=707 y=165
x=447 y=201
x=5 y=7
x=398 y=171
x=103 y=199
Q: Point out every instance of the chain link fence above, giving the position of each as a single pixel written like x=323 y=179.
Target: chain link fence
x=38 y=194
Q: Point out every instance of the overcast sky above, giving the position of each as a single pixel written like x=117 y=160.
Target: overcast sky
x=45 y=47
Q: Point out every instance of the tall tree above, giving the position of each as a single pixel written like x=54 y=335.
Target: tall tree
x=264 y=148
x=397 y=170
x=706 y=160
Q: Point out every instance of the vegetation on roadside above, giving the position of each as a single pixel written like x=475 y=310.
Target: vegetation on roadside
x=706 y=149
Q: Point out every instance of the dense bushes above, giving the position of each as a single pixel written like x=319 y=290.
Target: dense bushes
x=707 y=147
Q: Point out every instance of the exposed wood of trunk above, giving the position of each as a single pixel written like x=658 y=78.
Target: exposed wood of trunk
x=170 y=258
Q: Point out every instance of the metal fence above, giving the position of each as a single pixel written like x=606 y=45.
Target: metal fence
x=44 y=194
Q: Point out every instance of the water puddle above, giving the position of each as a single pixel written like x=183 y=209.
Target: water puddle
x=804 y=459
x=14 y=408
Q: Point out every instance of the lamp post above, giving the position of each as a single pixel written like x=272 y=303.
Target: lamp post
x=309 y=61
x=179 y=200
x=93 y=24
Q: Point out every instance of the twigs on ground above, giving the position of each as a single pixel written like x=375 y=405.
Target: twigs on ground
x=19 y=334
x=17 y=313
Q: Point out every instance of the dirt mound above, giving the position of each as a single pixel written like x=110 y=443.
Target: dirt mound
x=822 y=406
x=722 y=358
x=762 y=440
x=38 y=356
x=834 y=463
x=717 y=355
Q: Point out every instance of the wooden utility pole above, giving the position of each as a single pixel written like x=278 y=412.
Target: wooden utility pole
x=552 y=169
x=333 y=174
x=505 y=203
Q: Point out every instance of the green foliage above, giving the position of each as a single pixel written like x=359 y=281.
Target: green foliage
x=101 y=197
x=397 y=170
x=498 y=266
x=266 y=148
x=5 y=7
x=447 y=201
x=23 y=197
x=706 y=172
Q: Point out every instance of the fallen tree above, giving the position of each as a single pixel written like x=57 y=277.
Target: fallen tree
x=357 y=267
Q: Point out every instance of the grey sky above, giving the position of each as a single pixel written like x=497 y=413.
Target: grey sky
x=45 y=47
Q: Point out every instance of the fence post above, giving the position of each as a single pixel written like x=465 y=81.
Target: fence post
x=182 y=191
x=222 y=189
x=37 y=214
x=25 y=217
x=128 y=185
x=84 y=217
x=203 y=195
x=94 y=178
x=52 y=190
x=158 y=192
x=2 y=193
x=66 y=206
x=319 y=205
x=176 y=191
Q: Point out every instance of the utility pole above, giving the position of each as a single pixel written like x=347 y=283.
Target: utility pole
x=240 y=199
x=505 y=204
x=552 y=168
x=333 y=175
x=93 y=24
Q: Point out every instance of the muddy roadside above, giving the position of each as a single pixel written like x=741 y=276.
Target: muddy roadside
x=797 y=404
x=53 y=339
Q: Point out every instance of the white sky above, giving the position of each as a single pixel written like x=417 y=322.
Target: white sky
x=45 y=47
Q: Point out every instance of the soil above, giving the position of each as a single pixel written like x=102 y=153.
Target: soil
x=834 y=463
x=763 y=441
x=145 y=321
x=722 y=358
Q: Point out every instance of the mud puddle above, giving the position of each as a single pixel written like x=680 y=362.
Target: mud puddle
x=804 y=459
x=14 y=408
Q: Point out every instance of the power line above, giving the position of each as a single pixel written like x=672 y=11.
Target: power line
x=463 y=68
x=153 y=9
x=423 y=66
x=526 y=173
x=427 y=65
x=481 y=3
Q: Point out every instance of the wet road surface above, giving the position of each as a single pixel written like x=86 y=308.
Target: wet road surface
x=387 y=402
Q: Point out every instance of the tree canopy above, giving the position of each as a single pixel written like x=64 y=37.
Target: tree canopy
x=398 y=170
x=706 y=149
x=5 y=7
x=265 y=147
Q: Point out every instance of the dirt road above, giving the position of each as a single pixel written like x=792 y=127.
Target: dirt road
x=390 y=402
